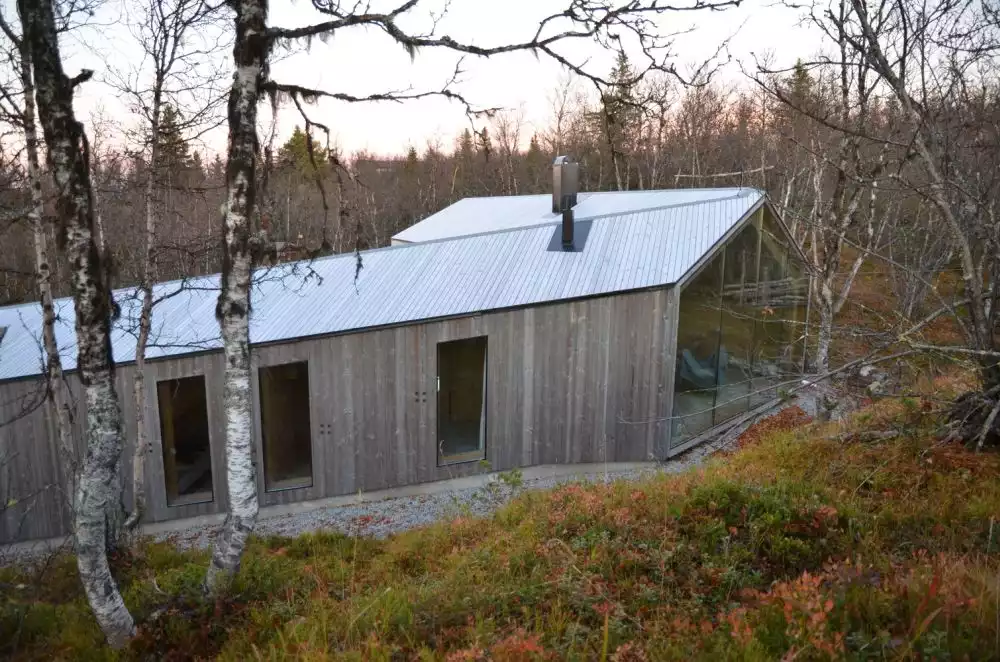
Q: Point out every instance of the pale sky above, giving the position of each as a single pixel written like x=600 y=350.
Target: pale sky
x=360 y=62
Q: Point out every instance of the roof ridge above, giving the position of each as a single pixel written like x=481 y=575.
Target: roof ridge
x=647 y=190
x=556 y=221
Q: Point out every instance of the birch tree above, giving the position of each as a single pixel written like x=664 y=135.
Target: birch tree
x=254 y=42
x=180 y=48
x=24 y=114
x=67 y=156
x=250 y=51
x=937 y=67
x=940 y=65
x=846 y=169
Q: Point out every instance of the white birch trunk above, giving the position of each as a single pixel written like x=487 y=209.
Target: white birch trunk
x=56 y=388
x=142 y=447
x=68 y=161
x=250 y=54
x=824 y=331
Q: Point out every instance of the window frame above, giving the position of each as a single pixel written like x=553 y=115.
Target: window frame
x=182 y=501
x=259 y=406
x=441 y=459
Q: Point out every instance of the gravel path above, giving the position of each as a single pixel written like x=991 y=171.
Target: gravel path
x=389 y=516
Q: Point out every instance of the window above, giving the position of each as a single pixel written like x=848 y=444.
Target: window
x=700 y=365
x=285 y=428
x=461 y=400
x=737 y=342
x=780 y=330
x=741 y=329
x=187 y=457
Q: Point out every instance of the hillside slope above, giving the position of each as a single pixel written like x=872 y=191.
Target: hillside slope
x=864 y=541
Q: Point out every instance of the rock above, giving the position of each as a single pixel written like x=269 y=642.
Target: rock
x=869 y=377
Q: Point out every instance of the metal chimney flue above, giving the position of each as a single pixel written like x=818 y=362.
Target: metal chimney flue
x=567 y=229
x=565 y=175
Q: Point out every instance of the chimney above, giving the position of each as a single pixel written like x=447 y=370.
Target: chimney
x=567 y=229
x=564 y=183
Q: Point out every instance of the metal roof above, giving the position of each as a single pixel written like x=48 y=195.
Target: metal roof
x=406 y=283
x=490 y=214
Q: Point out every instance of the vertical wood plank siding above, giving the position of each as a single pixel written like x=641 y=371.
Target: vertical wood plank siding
x=582 y=381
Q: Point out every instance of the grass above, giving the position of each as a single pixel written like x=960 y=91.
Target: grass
x=805 y=544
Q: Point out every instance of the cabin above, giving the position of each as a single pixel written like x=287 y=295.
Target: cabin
x=498 y=333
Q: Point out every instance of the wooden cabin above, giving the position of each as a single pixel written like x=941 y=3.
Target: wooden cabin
x=498 y=333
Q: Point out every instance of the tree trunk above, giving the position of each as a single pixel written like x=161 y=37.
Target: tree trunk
x=142 y=448
x=68 y=160
x=824 y=335
x=250 y=55
x=55 y=388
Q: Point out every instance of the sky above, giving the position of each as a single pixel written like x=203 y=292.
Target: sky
x=362 y=61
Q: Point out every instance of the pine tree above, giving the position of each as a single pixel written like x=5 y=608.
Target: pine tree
x=535 y=161
x=412 y=163
x=485 y=144
x=619 y=119
x=174 y=158
x=295 y=152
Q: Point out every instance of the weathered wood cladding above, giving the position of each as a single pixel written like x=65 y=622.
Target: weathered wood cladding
x=581 y=381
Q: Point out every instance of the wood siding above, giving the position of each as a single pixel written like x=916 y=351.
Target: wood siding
x=582 y=381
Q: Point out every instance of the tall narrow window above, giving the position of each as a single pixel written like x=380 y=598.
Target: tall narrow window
x=739 y=287
x=284 y=422
x=461 y=397
x=701 y=363
x=187 y=456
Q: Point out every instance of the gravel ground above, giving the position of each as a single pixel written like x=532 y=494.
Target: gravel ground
x=389 y=516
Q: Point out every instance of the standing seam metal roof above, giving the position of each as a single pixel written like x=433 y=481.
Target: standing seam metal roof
x=404 y=284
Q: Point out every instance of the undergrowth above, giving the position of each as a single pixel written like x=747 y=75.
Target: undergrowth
x=808 y=543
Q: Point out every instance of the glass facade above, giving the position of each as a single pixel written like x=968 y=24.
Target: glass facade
x=741 y=329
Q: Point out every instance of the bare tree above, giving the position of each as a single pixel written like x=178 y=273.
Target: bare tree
x=939 y=63
x=67 y=156
x=250 y=51
x=179 y=75
x=55 y=387
x=508 y=126
x=844 y=172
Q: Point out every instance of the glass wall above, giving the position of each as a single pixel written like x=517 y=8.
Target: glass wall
x=698 y=360
x=781 y=323
x=736 y=347
x=184 y=436
x=741 y=329
x=285 y=427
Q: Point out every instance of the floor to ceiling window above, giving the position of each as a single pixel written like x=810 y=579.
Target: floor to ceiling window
x=781 y=322
x=285 y=426
x=184 y=437
x=741 y=329
x=736 y=343
x=461 y=400
x=699 y=363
